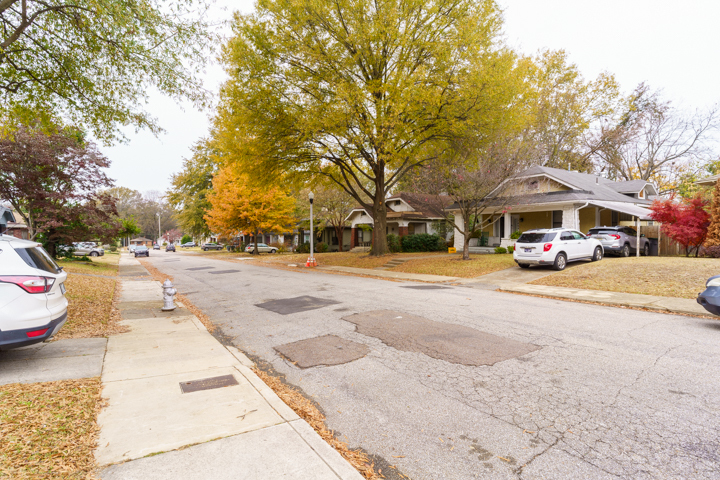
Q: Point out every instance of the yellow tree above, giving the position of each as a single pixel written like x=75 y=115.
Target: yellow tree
x=239 y=205
x=354 y=90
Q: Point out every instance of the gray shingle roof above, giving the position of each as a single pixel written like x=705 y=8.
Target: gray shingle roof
x=593 y=187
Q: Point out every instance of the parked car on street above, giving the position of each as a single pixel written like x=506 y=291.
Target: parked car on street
x=156 y=247
x=170 y=247
x=211 y=246
x=132 y=248
x=620 y=240
x=142 y=250
x=33 y=306
x=556 y=247
x=189 y=244
x=83 y=248
x=262 y=248
x=710 y=297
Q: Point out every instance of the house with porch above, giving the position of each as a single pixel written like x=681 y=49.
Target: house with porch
x=543 y=197
x=407 y=214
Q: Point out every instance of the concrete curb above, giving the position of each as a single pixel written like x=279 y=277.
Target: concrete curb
x=682 y=306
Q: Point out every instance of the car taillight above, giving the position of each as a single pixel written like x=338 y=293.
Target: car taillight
x=547 y=247
x=30 y=284
x=616 y=237
x=37 y=333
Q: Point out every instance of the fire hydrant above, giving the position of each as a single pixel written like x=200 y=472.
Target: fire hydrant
x=168 y=294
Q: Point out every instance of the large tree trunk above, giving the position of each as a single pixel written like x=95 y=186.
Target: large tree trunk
x=255 y=244
x=339 y=230
x=379 y=244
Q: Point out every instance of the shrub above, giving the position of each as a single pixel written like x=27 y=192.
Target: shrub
x=423 y=242
x=451 y=242
x=393 y=242
x=511 y=249
x=186 y=238
x=281 y=247
x=710 y=252
x=303 y=248
x=515 y=235
x=113 y=248
x=500 y=250
x=321 y=247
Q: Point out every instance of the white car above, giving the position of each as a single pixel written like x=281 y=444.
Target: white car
x=556 y=247
x=33 y=306
x=262 y=248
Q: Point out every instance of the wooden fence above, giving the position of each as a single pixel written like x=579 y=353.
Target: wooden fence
x=666 y=246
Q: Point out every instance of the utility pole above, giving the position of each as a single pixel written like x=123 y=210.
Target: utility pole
x=159 y=230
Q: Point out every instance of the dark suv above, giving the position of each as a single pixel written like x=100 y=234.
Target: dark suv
x=620 y=240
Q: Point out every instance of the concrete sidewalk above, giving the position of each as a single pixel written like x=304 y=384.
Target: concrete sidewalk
x=239 y=431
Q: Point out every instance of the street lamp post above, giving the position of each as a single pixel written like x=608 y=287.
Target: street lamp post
x=311 y=261
x=159 y=230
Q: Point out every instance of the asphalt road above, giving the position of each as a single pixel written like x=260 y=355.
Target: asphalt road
x=463 y=383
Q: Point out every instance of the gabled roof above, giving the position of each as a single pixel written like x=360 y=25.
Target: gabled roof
x=427 y=205
x=708 y=181
x=141 y=239
x=6 y=214
x=591 y=187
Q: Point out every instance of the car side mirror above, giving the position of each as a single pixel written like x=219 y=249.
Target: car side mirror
x=642 y=235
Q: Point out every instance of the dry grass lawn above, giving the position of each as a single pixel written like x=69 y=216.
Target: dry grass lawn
x=49 y=430
x=665 y=276
x=96 y=267
x=344 y=259
x=454 y=266
x=90 y=308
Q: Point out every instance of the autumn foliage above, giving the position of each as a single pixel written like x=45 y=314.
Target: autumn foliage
x=685 y=221
x=713 y=234
x=240 y=206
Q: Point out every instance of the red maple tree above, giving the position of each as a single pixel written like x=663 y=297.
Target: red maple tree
x=52 y=180
x=685 y=221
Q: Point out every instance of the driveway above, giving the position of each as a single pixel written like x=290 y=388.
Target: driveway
x=460 y=383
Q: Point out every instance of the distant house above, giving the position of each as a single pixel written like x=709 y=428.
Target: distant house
x=10 y=226
x=708 y=181
x=141 y=241
x=543 y=197
x=408 y=213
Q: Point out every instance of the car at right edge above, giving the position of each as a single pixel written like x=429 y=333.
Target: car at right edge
x=555 y=247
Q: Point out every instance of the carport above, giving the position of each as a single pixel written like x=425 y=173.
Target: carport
x=639 y=213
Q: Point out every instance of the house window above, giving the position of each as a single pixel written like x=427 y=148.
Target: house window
x=641 y=194
x=533 y=185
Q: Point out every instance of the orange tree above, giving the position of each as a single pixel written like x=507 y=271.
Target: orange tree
x=239 y=205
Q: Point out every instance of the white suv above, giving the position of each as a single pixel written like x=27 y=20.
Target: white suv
x=556 y=247
x=33 y=306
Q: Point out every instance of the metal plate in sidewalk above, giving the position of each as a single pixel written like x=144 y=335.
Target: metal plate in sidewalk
x=208 y=383
x=220 y=272
x=200 y=268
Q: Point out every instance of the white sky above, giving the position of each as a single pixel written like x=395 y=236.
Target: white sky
x=671 y=45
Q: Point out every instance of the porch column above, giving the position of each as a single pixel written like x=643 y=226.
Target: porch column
x=353 y=237
x=597 y=216
x=281 y=239
x=508 y=225
x=568 y=217
x=459 y=237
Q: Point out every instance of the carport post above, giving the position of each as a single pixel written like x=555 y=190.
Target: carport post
x=637 y=242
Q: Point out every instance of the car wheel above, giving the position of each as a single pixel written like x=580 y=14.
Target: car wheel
x=205 y=249
x=597 y=255
x=94 y=254
x=273 y=251
x=625 y=252
x=560 y=262
x=646 y=250
x=523 y=265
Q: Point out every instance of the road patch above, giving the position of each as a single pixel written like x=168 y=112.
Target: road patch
x=326 y=350
x=286 y=306
x=443 y=341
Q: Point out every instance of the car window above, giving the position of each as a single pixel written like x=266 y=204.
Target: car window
x=37 y=257
x=566 y=236
x=578 y=235
x=602 y=231
x=630 y=231
x=536 y=237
